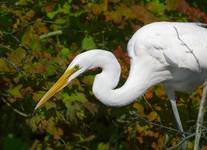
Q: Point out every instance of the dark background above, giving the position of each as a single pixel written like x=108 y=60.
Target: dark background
x=39 y=38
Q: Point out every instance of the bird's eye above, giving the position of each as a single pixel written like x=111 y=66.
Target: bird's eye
x=97 y=70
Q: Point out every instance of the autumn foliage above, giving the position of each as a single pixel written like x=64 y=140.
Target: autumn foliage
x=38 y=41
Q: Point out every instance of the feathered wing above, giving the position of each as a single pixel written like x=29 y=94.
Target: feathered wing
x=183 y=45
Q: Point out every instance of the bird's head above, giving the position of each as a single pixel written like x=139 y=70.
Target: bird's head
x=80 y=63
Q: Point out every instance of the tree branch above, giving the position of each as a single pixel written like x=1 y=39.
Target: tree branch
x=14 y=109
x=181 y=142
x=138 y=117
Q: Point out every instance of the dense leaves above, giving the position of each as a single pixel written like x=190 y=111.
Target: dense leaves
x=38 y=41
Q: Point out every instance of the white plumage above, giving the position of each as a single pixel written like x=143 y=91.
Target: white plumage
x=169 y=52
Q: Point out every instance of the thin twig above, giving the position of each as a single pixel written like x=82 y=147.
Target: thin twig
x=136 y=116
x=146 y=101
x=6 y=47
x=181 y=142
x=12 y=65
x=61 y=140
x=20 y=43
x=200 y=117
x=11 y=34
x=14 y=109
x=58 y=32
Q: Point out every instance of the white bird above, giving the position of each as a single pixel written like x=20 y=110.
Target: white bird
x=168 y=52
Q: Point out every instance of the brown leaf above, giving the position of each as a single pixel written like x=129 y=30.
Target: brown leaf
x=140 y=139
x=143 y=14
x=149 y=94
x=40 y=27
x=39 y=68
x=27 y=90
x=91 y=107
x=57 y=133
x=48 y=7
x=193 y=13
x=121 y=54
x=204 y=147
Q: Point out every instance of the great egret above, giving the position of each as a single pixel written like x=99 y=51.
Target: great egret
x=169 y=52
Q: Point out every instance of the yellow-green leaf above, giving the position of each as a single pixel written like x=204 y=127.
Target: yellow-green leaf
x=17 y=56
x=139 y=108
x=153 y=116
x=15 y=91
x=88 y=43
x=64 y=53
x=103 y=146
x=3 y=65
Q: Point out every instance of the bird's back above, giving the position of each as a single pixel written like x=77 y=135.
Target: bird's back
x=180 y=46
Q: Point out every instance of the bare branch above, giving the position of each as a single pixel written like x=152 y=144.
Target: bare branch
x=6 y=47
x=138 y=117
x=14 y=109
x=181 y=142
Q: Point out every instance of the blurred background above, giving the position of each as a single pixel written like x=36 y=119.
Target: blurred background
x=39 y=38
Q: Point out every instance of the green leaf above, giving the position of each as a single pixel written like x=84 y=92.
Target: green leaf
x=156 y=7
x=52 y=14
x=88 y=80
x=35 y=121
x=72 y=103
x=88 y=43
x=31 y=39
x=65 y=9
x=15 y=91
x=5 y=21
x=51 y=69
x=37 y=95
x=103 y=146
x=22 y=2
x=50 y=105
x=64 y=53
x=60 y=21
x=11 y=142
x=80 y=97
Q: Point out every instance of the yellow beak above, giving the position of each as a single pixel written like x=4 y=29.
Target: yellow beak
x=60 y=84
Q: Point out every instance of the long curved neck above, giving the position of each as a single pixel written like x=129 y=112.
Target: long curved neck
x=143 y=74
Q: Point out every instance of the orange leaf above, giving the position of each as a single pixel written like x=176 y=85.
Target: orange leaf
x=148 y=95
